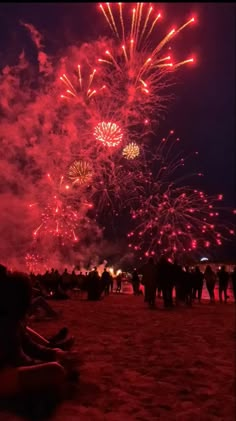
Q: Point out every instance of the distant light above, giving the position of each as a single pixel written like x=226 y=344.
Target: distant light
x=204 y=259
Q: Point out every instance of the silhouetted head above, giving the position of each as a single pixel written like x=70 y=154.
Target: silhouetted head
x=223 y=268
x=3 y=271
x=16 y=294
x=163 y=259
x=151 y=261
x=208 y=268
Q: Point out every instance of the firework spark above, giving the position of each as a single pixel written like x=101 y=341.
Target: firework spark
x=80 y=172
x=32 y=262
x=141 y=72
x=108 y=133
x=131 y=151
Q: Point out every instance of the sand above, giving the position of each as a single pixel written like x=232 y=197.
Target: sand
x=148 y=365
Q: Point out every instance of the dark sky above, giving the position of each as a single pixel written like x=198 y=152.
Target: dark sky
x=204 y=112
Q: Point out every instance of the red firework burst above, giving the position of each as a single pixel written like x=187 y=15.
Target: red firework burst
x=170 y=218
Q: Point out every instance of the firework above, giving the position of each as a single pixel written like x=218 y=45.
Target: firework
x=140 y=72
x=108 y=133
x=33 y=262
x=80 y=172
x=178 y=221
x=58 y=220
x=170 y=218
x=131 y=151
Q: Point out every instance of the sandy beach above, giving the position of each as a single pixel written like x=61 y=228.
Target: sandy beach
x=148 y=365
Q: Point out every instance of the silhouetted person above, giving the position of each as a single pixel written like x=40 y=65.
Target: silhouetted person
x=65 y=279
x=111 y=284
x=135 y=282
x=197 y=284
x=178 y=282
x=188 y=281
x=26 y=367
x=73 y=279
x=210 y=278
x=223 y=277
x=233 y=278
x=94 y=287
x=165 y=274
x=3 y=272
x=82 y=282
x=118 y=282
x=105 y=281
x=149 y=280
x=159 y=291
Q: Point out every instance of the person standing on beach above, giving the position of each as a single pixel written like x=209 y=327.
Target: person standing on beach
x=223 y=277
x=149 y=280
x=233 y=278
x=210 y=278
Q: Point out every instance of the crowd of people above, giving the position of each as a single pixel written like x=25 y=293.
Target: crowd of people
x=165 y=276
x=55 y=286
x=159 y=279
x=163 y=279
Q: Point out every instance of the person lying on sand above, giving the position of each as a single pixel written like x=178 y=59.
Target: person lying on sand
x=25 y=365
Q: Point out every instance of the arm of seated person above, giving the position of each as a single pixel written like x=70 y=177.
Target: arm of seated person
x=34 y=350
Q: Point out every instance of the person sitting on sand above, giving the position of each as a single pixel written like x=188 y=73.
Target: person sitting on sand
x=59 y=292
x=39 y=303
x=25 y=366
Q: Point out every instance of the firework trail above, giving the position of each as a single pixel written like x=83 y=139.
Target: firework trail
x=83 y=89
x=138 y=68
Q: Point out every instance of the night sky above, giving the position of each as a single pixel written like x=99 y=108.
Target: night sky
x=204 y=111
